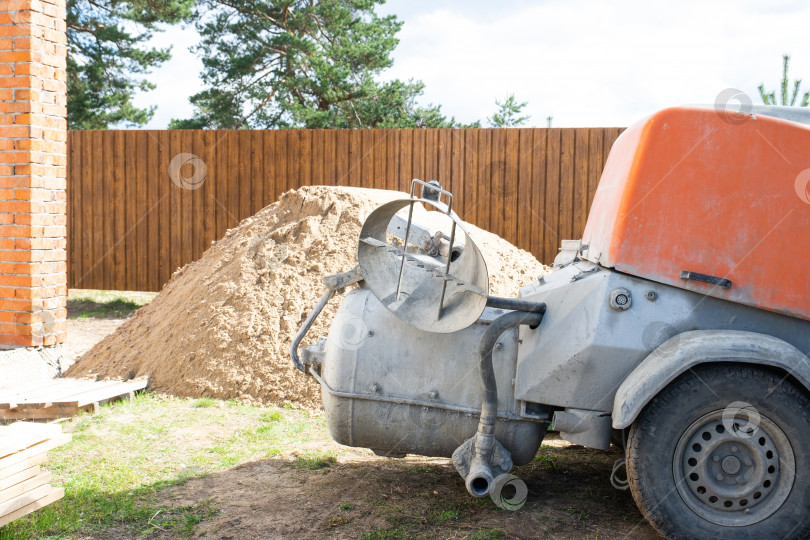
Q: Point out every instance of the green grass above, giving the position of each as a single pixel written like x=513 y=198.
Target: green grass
x=315 y=461
x=204 y=402
x=93 y=304
x=385 y=534
x=119 y=460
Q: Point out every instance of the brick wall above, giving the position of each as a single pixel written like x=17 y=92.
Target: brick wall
x=32 y=172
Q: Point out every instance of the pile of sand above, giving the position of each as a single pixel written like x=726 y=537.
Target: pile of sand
x=222 y=326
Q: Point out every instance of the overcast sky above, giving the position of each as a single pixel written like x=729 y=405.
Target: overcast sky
x=584 y=62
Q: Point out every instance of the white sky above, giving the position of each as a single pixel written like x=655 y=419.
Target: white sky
x=584 y=62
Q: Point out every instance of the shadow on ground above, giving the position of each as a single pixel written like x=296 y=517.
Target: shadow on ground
x=569 y=497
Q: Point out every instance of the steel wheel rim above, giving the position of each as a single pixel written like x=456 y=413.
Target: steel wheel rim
x=734 y=468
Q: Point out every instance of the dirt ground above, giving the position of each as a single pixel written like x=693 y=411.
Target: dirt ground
x=366 y=496
x=569 y=498
x=84 y=333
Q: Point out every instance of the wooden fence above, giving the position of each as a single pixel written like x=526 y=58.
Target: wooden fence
x=130 y=225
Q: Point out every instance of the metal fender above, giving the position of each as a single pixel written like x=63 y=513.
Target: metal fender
x=689 y=349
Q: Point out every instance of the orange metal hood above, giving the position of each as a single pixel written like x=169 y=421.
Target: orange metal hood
x=688 y=189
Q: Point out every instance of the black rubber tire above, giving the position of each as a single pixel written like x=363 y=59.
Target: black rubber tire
x=654 y=436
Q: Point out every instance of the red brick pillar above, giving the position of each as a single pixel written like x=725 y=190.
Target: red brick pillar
x=33 y=131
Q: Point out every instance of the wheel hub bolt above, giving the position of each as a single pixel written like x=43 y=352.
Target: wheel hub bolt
x=730 y=465
x=719 y=477
x=715 y=458
x=748 y=462
x=733 y=448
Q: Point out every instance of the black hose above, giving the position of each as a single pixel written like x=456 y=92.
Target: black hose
x=514 y=304
x=489 y=407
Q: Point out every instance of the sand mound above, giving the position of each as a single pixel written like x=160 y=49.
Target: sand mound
x=222 y=326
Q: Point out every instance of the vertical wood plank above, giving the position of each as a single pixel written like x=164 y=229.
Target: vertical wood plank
x=552 y=182
x=595 y=148
x=567 y=148
x=303 y=156
x=379 y=159
x=355 y=158
x=444 y=156
x=330 y=175
x=152 y=180
x=392 y=143
x=88 y=205
x=581 y=181
x=510 y=180
x=165 y=186
x=316 y=158
x=270 y=179
x=498 y=173
x=406 y=173
x=418 y=169
x=342 y=157
x=471 y=179
x=456 y=173
x=73 y=209
x=366 y=164
x=484 y=219
x=539 y=218
x=103 y=147
x=256 y=171
x=525 y=219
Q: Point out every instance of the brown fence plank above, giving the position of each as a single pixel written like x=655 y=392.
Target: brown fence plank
x=471 y=200
x=552 y=201
x=539 y=219
x=510 y=181
x=581 y=196
x=131 y=226
x=405 y=159
x=165 y=186
x=567 y=183
x=525 y=220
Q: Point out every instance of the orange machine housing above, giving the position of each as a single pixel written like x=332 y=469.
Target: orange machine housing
x=692 y=189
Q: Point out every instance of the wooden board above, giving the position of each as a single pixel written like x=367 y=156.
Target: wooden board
x=32 y=451
x=21 y=435
x=24 y=499
x=19 y=467
x=21 y=476
x=54 y=495
x=25 y=486
x=60 y=398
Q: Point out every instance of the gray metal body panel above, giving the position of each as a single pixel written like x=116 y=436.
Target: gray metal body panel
x=584 y=350
x=689 y=349
x=376 y=366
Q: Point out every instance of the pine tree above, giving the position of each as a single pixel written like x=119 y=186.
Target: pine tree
x=508 y=114
x=302 y=63
x=787 y=99
x=108 y=58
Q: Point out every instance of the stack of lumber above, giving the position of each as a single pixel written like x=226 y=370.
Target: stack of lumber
x=62 y=398
x=24 y=486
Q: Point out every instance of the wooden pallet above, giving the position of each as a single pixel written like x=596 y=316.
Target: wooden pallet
x=61 y=398
x=24 y=485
